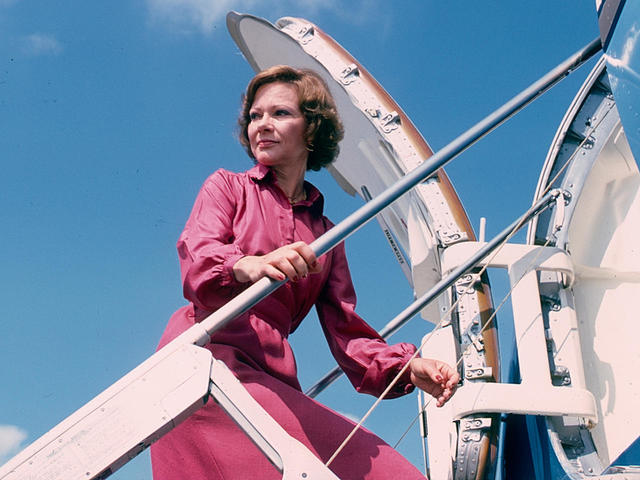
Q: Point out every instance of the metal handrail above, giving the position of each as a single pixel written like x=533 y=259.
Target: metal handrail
x=200 y=334
x=414 y=308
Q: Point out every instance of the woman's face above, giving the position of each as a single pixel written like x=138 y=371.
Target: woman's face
x=276 y=127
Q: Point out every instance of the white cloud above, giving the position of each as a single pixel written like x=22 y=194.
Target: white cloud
x=40 y=44
x=11 y=438
x=186 y=14
x=205 y=15
x=629 y=51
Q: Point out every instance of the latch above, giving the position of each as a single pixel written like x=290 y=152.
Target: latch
x=561 y=376
x=306 y=33
x=471 y=428
x=387 y=122
x=349 y=74
x=390 y=122
x=562 y=200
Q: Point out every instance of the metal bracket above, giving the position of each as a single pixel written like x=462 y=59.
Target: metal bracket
x=474 y=363
x=471 y=428
x=473 y=433
x=306 y=33
x=350 y=74
x=387 y=122
x=390 y=122
x=561 y=376
x=562 y=200
x=446 y=227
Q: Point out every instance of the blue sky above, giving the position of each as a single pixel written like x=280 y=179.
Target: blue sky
x=112 y=114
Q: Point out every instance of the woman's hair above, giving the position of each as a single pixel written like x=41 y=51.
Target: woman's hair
x=324 y=129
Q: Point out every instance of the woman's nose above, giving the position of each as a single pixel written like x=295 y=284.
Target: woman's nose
x=264 y=122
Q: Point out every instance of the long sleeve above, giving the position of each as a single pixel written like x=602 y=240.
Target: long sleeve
x=367 y=360
x=206 y=246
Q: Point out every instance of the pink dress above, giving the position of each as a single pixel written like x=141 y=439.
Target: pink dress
x=247 y=214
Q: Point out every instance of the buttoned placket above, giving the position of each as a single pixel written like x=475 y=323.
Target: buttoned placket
x=289 y=217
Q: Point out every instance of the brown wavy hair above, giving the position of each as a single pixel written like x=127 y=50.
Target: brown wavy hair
x=324 y=129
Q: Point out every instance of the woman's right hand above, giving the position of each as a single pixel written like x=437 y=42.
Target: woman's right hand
x=436 y=378
x=293 y=261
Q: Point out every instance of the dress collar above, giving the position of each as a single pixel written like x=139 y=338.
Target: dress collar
x=261 y=173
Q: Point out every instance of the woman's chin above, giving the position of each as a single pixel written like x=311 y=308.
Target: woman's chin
x=266 y=160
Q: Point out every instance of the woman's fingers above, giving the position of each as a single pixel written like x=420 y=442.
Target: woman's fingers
x=288 y=261
x=308 y=256
x=434 y=377
x=270 y=271
x=294 y=261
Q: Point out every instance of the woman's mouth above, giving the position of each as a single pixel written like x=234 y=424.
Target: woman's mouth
x=266 y=143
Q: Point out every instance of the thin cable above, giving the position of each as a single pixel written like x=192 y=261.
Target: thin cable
x=484 y=327
x=439 y=325
x=454 y=305
x=508 y=294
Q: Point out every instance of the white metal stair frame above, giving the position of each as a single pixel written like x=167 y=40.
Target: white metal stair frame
x=290 y=456
x=122 y=421
x=536 y=394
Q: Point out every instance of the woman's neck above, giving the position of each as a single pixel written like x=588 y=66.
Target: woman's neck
x=290 y=181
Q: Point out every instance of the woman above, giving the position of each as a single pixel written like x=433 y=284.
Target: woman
x=259 y=223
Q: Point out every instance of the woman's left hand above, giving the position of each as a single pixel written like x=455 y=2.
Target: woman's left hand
x=436 y=378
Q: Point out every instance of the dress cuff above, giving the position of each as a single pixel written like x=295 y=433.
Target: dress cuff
x=228 y=279
x=404 y=385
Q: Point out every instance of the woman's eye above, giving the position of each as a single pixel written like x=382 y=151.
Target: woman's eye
x=254 y=116
x=282 y=112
